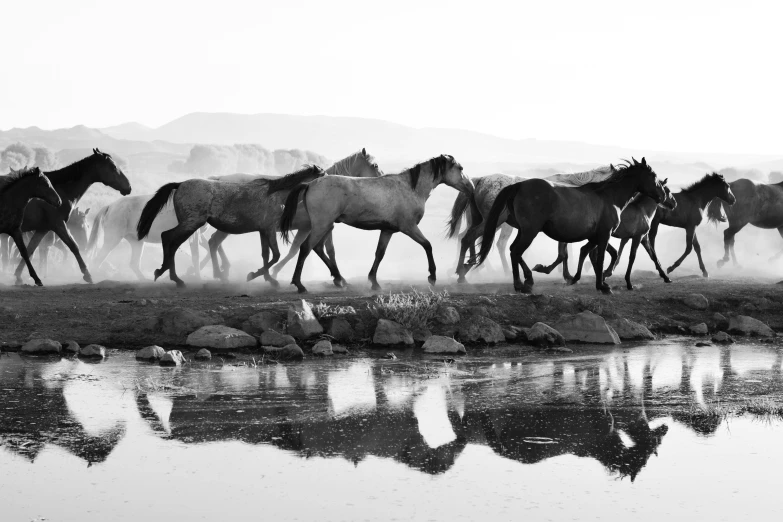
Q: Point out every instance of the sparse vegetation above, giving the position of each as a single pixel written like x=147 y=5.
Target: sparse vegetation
x=412 y=310
x=323 y=310
x=715 y=413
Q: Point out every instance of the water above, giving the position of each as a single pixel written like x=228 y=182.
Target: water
x=597 y=435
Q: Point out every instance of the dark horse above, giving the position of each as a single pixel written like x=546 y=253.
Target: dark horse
x=634 y=226
x=590 y=212
x=758 y=204
x=70 y=183
x=691 y=202
x=16 y=190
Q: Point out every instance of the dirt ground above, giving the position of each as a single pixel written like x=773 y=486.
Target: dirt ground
x=119 y=314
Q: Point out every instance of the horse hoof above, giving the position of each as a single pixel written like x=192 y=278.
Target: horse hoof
x=180 y=284
x=461 y=280
x=670 y=269
x=631 y=287
x=607 y=275
x=667 y=280
x=538 y=268
x=606 y=289
x=721 y=262
x=301 y=290
x=251 y=276
x=87 y=278
x=275 y=284
x=38 y=282
x=705 y=275
x=573 y=281
x=431 y=280
x=158 y=272
x=376 y=287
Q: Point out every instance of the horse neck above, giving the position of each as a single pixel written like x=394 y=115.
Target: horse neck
x=703 y=195
x=647 y=205
x=344 y=167
x=425 y=185
x=72 y=191
x=622 y=191
x=23 y=191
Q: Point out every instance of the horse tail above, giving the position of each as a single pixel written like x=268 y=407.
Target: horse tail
x=714 y=214
x=457 y=213
x=153 y=208
x=505 y=198
x=291 y=203
x=96 y=225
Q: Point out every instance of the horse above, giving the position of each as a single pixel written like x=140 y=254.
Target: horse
x=236 y=208
x=691 y=203
x=757 y=204
x=118 y=221
x=569 y=214
x=391 y=203
x=16 y=191
x=635 y=222
x=71 y=183
x=487 y=189
x=357 y=165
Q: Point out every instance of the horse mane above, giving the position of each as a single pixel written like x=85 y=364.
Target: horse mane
x=619 y=173
x=705 y=180
x=289 y=181
x=343 y=167
x=9 y=180
x=438 y=165
x=74 y=171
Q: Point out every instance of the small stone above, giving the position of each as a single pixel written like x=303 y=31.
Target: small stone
x=263 y=321
x=172 y=358
x=586 y=327
x=477 y=310
x=421 y=334
x=93 y=351
x=285 y=353
x=720 y=320
x=480 y=329
x=41 y=347
x=302 y=323
x=699 y=329
x=696 y=302
x=745 y=325
x=203 y=355
x=180 y=322
x=509 y=333
x=339 y=348
x=486 y=301
x=340 y=329
x=543 y=335
x=631 y=330
x=273 y=338
x=221 y=337
x=441 y=344
x=323 y=347
x=390 y=333
x=446 y=315
x=702 y=344
x=150 y=353
x=722 y=338
x=390 y=355
x=71 y=347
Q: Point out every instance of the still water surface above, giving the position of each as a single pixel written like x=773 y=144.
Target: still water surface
x=597 y=435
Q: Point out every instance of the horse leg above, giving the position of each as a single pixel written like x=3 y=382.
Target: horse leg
x=271 y=244
x=264 y=257
x=380 y=251
x=728 y=243
x=110 y=242
x=689 y=233
x=697 y=249
x=214 y=242
x=301 y=235
x=518 y=247
x=329 y=245
x=137 y=249
x=651 y=252
x=468 y=242
x=616 y=259
x=194 y=256
x=583 y=252
x=16 y=235
x=171 y=241
x=548 y=269
x=315 y=237
x=325 y=251
x=30 y=249
x=61 y=231
x=415 y=234
x=615 y=256
x=505 y=235
x=631 y=258
x=598 y=266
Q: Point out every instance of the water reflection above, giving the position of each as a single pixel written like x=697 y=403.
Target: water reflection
x=614 y=407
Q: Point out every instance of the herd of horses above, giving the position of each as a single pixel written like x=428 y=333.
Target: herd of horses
x=626 y=201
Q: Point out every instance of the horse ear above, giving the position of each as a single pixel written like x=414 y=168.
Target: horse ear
x=644 y=161
x=86 y=211
x=634 y=161
x=611 y=167
x=664 y=181
x=94 y=150
x=364 y=151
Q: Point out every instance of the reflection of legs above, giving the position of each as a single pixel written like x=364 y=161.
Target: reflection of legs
x=380 y=250
x=689 y=233
x=651 y=252
x=518 y=247
x=697 y=248
x=631 y=258
x=31 y=246
x=415 y=234
x=19 y=241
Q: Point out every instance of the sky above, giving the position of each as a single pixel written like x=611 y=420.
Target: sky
x=666 y=75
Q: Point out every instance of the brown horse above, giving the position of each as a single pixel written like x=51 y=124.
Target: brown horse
x=569 y=214
x=691 y=202
x=758 y=204
x=391 y=203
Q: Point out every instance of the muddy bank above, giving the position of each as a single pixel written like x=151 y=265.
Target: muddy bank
x=124 y=315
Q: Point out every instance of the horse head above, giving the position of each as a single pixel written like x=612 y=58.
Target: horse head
x=41 y=187
x=724 y=190
x=669 y=202
x=446 y=169
x=77 y=226
x=109 y=173
x=648 y=182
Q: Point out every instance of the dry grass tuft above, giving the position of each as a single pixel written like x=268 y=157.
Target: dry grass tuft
x=413 y=310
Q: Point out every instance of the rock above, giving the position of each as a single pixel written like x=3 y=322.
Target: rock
x=41 y=347
x=6 y=346
x=628 y=330
x=586 y=327
x=696 y=302
x=509 y=333
x=323 y=348
x=390 y=355
x=699 y=329
x=71 y=347
x=702 y=344
x=286 y=353
x=273 y=338
x=389 y=333
x=302 y=323
x=340 y=329
x=261 y=322
x=180 y=322
x=203 y=355
x=440 y=344
x=720 y=321
x=559 y=349
x=477 y=328
x=221 y=337
x=150 y=353
x=543 y=335
x=93 y=351
x=172 y=358
x=722 y=338
x=446 y=315
x=744 y=325
x=477 y=310
x=487 y=301
x=421 y=334
x=339 y=348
